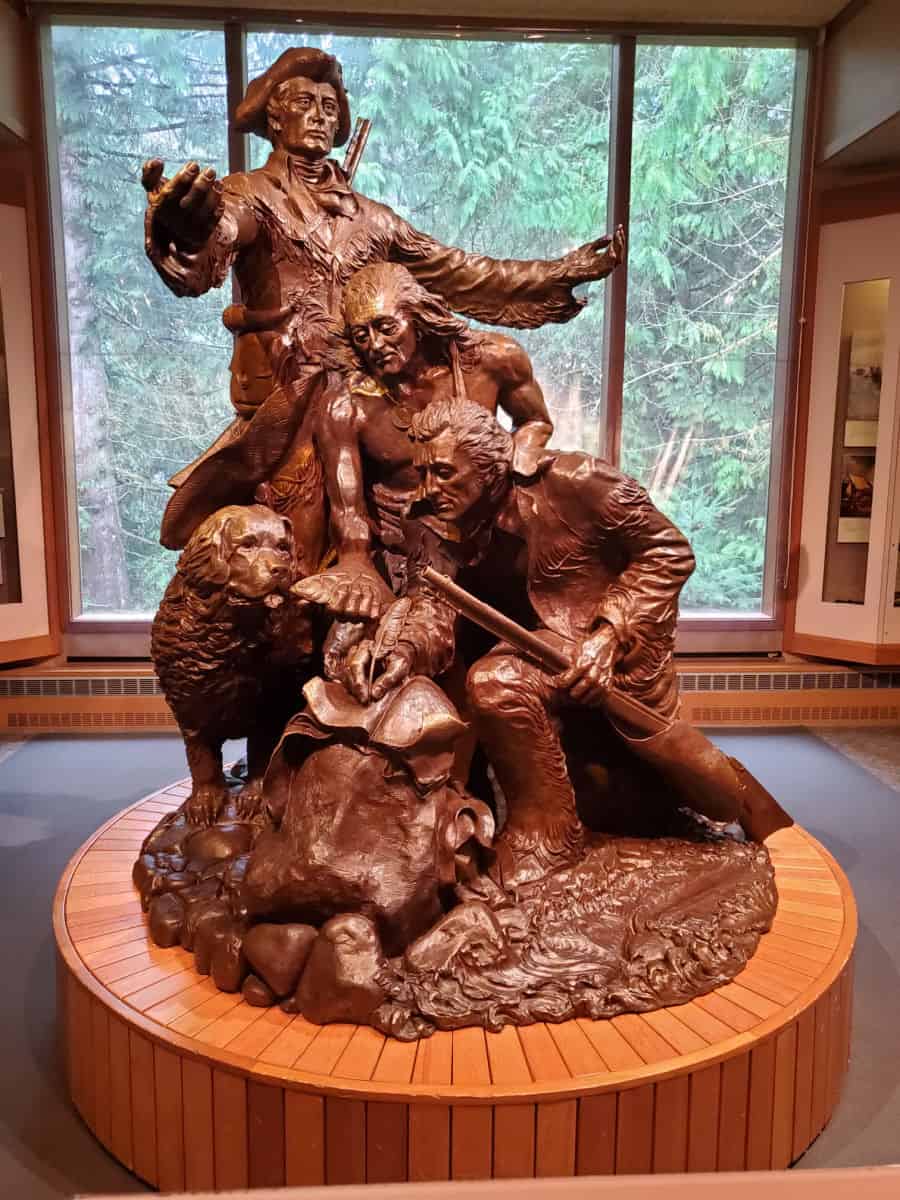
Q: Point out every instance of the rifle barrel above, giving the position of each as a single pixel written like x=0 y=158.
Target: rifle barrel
x=533 y=646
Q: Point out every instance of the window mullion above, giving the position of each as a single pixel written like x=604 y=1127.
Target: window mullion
x=621 y=110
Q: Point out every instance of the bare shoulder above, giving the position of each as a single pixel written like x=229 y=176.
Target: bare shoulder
x=343 y=409
x=505 y=358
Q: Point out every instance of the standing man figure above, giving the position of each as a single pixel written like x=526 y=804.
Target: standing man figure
x=296 y=228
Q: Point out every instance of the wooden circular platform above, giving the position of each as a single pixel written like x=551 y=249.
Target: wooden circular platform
x=194 y=1090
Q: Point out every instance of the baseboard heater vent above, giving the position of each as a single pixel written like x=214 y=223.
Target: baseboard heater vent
x=787 y=681
x=795 y=714
x=79 y=685
x=90 y=720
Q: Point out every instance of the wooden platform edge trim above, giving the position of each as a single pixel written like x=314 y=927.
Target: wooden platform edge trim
x=554 y=1090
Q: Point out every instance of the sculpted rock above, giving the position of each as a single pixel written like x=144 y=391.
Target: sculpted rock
x=228 y=966
x=221 y=841
x=166 y=919
x=343 y=979
x=257 y=993
x=370 y=825
x=278 y=954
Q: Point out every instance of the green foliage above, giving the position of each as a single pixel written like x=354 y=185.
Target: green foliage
x=711 y=134
x=500 y=147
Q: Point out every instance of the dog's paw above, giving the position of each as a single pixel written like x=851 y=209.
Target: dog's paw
x=204 y=804
x=250 y=801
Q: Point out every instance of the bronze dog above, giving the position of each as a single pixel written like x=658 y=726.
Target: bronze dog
x=229 y=644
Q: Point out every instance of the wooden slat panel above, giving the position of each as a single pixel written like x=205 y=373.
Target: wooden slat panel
x=185 y=1001
x=670 y=1125
x=674 y=1031
x=819 y=1108
x=596 y=1150
x=734 y=1113
x=650 y=1045
x=387 y=1151
x=361 y=1056
x=265 y=1135
x=197 y=1094
x=703 y=1120
x=323 y=1052
x=634 y=1131
x=289 y=1045
x=143 y=1107
x=616 y=1052
x=396 y=1062
x=191 y=1023
x=578 y=1052
x=555 y=1145
x=751 y=1002
x=429 y=1124
x=230 y=1025
x=835 y=1046
x=705 y=1024
x=169 y=1121
x=345 y=1140
x=100 y=1052
x=304 y=1126
x=762 y=1089
x=78 y=1042
x=514 y=1124
x=230 y=1131
x=803 y=1086
x=471 y=1127
x=256 y=1037
x=120 y=1091
x=783 y=1097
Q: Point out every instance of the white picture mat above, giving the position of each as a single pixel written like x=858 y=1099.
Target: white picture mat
x=30 y=617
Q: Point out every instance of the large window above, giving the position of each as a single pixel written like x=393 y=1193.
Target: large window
x=501 y=146
x=147 y=373
x=711 y=136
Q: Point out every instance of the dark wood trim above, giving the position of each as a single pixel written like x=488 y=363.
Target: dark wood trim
x=804 y=326
x=235 y=82
x=784 y=441
x=848 y=13
x=13 y=189
x=621 y=114
x=395 y=22
x=53 y=438
x=859 y=200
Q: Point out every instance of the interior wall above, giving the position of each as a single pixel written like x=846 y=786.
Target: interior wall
x=13 y=111
x=862 y=76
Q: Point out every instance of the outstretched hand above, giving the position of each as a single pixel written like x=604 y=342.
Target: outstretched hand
x=596 y=259
x=188 y=206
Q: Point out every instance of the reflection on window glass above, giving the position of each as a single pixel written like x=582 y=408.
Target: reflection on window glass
x=498 y=147
x=711 y=138
x=10 y=578
x=149 y=373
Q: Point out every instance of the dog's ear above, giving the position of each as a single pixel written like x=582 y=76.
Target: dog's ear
x=204 y=561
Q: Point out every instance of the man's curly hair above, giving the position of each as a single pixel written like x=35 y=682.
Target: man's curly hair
x=477 y=432
x=433 y=320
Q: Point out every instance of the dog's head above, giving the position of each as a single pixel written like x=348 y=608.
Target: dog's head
x=245 y=552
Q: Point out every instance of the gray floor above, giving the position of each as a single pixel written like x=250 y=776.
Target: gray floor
x=55 y=791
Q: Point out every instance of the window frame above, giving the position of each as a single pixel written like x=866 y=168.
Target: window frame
x=93 y=635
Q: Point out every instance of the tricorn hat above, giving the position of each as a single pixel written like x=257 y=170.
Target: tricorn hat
x=305 y=61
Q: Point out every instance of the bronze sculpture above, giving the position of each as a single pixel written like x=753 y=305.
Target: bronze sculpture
x=294 y=231
x=585 y=857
